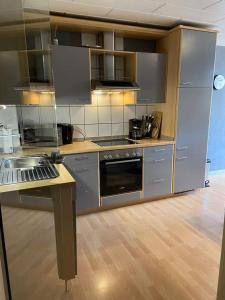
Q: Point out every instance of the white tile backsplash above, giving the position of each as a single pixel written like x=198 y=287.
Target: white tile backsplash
x=77 y=114
x=117 y=129
x=150 y=109
x=129 y=112
x=91 y=130
x=30 y=115
x=8 y=117
x=105 y=129
x=104 y=100
x=117 y=99
x=47 y=115
x=141 y=110
x=104 y=114
x=91 y=115
x=126 y=128
x=63 y=114
x=78 y=130
x=117 y=114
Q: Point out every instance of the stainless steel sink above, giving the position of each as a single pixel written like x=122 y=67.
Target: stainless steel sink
x=24 y=162
x=23 y=169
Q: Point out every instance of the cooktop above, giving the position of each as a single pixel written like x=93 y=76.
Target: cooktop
x=114 y=142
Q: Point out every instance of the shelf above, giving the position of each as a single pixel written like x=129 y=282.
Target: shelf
x=36 y=52
x=113 y=52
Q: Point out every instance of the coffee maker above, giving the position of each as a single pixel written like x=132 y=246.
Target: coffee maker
x=135 y=129
x=65 y=133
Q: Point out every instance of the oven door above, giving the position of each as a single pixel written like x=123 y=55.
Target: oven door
x=120 y=176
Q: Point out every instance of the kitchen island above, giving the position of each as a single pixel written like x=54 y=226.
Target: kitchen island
x=64 y=207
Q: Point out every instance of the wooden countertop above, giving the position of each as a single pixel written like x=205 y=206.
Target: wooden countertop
x=89 y=146
x=64 y=177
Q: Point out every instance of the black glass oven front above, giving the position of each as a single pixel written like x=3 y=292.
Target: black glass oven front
x=120 y=176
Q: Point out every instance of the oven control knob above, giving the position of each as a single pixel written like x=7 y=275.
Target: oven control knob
x=106 y=157
x=138 y=154
x=110 y=156
x=127 y=154
x=117 y=156
x=134 y=154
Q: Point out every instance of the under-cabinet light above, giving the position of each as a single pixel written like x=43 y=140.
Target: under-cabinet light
x=2 y=106
x=101 y=92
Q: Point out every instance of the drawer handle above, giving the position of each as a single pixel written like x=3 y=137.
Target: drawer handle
x=182 y=158
x=159 y=180
x=159 y=160
x=81 y=158
x=160 y=150
x=182 y=148
x=186 y=83
x=82 y=170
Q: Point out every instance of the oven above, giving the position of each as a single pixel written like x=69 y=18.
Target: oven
x=120 y=171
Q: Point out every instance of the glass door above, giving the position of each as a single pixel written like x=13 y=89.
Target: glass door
x=27 y=127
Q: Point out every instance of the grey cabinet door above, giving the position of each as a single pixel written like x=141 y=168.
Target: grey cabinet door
x=158 y=170
x=197 y=58
x=71 y=73
x=151 y=77
x=192 y=138
x=86 y=175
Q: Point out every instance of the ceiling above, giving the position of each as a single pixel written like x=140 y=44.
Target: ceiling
x=161 y=12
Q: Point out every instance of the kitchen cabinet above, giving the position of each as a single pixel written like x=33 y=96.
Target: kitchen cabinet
x=197 y=58
x=158 y=170
x=71 y=75
x=121 y=199
x=191 y=138
x=151 y=77
x=85 y=170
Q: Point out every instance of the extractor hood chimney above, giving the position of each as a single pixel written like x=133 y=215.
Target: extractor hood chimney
x=109 y=82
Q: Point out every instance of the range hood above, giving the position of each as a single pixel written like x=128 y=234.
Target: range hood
x=112 y=85
x=110 y=81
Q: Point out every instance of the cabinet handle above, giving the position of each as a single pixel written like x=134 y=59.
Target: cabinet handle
x=160 y=150
x=81 y=158
x=182 y=158
x=82 y=170
x=159 y=180
x=186 y=83
x=182 y=148
x=159 y=160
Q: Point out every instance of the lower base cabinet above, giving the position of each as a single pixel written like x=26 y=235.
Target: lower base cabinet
x=158 y=170
x=85 y=168
x=121 y=199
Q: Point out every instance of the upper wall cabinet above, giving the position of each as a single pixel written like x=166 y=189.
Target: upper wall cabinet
x=197 y=58
x=151 y=77
x=71 y=73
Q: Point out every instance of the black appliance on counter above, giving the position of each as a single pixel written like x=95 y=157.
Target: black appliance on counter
x=65 y=133
x=135 y=129
x=120 y=171
x=147 y=127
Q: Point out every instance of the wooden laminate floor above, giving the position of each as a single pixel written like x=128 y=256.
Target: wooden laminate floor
x=163 y=250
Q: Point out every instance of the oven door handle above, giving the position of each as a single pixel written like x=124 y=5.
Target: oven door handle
x=122 y=161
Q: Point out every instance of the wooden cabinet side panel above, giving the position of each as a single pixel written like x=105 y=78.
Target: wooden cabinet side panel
x=170 y=45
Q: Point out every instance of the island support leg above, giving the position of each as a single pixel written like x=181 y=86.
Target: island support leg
x=4 y=263
x=221 y=282
x=65 y=230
